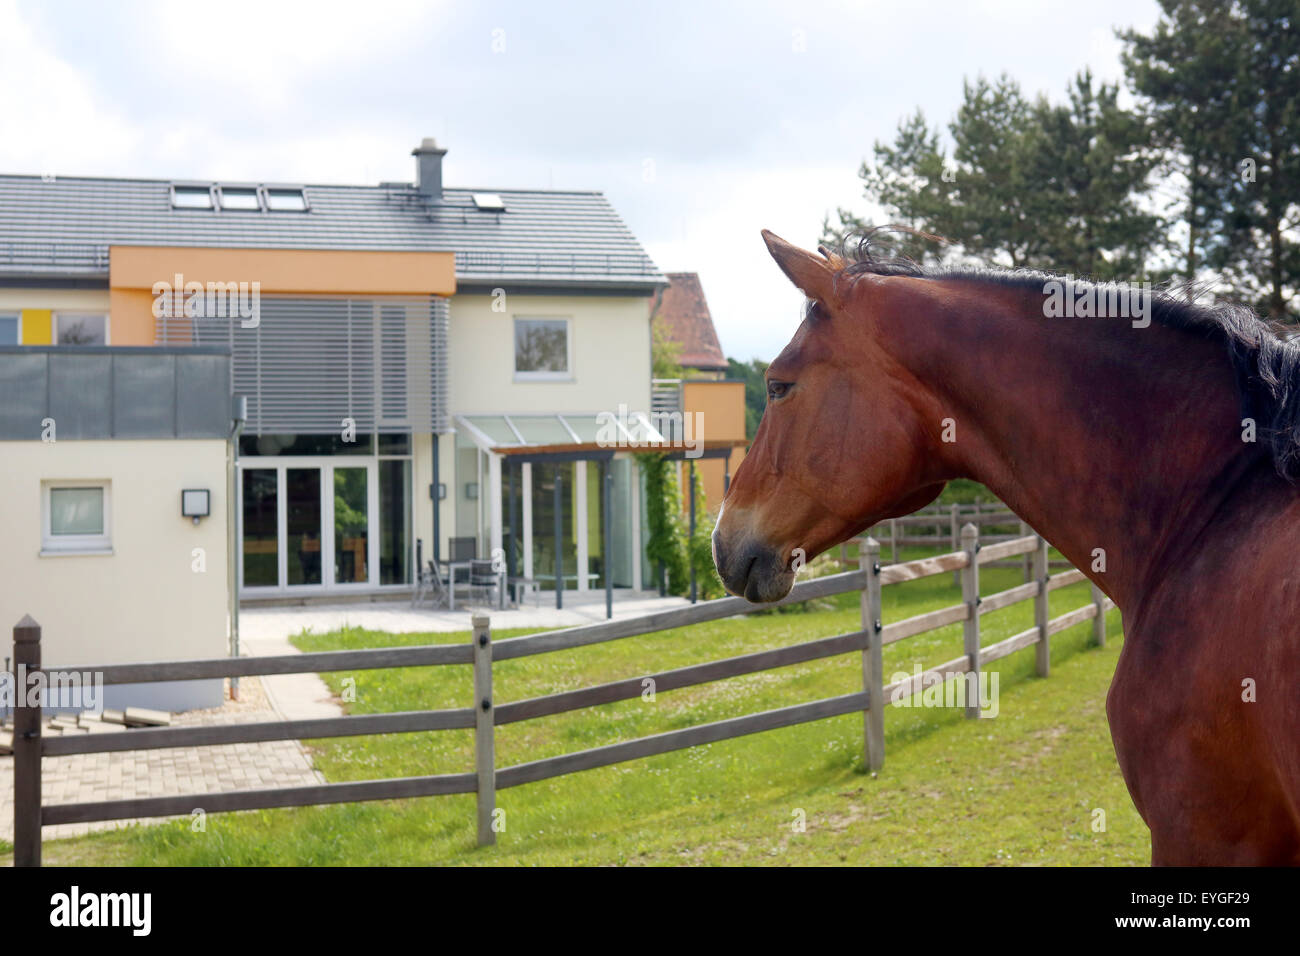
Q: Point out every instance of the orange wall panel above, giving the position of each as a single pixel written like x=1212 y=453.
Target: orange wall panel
x=131 y=320
x=721 y=403
x=287 y=270
x=723 y=406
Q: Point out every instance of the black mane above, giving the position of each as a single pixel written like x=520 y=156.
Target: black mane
x=1267 y=365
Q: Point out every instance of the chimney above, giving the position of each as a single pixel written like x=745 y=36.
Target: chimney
x=428 y=169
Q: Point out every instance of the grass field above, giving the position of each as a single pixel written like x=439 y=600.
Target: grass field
x=1022 y=788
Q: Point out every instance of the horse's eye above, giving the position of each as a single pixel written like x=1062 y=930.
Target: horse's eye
x=777 y=390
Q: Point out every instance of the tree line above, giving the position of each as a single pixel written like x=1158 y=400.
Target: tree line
x=1199 y=178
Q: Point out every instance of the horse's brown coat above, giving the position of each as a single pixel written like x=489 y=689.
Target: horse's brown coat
x=1101 y=436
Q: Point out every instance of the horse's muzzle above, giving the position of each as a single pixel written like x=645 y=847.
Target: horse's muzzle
x=752 y=570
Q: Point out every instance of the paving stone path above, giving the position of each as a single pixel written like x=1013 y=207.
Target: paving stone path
x=159 y=773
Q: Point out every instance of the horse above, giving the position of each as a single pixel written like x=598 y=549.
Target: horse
x=1156 y=451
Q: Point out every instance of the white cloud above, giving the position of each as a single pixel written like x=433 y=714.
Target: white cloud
x=267 y=54
x=755 y=308
x=49 y=110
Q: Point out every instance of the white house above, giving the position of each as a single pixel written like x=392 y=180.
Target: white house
x=422 y=367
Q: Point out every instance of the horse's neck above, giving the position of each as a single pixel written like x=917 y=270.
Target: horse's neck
x=1099 y=434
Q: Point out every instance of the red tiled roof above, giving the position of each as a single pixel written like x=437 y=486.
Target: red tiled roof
x=682 y=310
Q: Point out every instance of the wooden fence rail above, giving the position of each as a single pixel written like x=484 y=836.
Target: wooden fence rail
x=29 y=746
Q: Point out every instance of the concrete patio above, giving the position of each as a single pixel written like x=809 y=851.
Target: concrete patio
x=261 y=623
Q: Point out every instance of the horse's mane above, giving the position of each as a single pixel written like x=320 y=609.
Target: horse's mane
x=1266 y=364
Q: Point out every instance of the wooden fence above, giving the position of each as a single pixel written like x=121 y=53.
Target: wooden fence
x=30 y=815
x=939 y=525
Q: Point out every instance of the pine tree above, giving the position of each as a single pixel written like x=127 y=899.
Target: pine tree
x=1030 y=185
x=1221 y=84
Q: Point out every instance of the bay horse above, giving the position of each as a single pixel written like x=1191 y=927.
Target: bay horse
x=1171 y=446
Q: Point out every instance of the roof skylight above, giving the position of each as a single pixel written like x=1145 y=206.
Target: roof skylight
x=489 y=202
x=242 y=199
x=191 y=197
x=286 y=200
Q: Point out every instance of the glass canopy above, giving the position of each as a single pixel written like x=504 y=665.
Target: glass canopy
x=624 y=430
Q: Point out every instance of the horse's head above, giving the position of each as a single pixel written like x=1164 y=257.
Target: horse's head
x=846 y=439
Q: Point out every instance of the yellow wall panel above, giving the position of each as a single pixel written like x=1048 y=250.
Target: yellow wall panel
x=36 y=327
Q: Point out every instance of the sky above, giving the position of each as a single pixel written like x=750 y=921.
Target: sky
x=702 y=122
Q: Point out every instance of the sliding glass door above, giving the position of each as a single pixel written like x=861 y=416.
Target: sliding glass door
x=310 y=526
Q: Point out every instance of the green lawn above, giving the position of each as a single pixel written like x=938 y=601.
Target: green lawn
x=1018 y=789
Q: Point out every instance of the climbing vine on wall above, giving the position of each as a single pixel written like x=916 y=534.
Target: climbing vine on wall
x=665 y=547
x=707 y=583
x=670 y=543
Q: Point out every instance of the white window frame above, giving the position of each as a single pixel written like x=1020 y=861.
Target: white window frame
x=18 y=323
x=54 y=325
x=300 y=191
x=193 y=187
x=55 y=545
x=327 y=464
x=565 y=376
x=258 y=198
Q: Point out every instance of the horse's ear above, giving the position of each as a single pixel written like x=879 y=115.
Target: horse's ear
x=813 y=275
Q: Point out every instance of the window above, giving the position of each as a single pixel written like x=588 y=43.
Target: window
x=242 y=199
x=542 y=349
x=75 y=517
x=490 y=202
x=191 y=197
x=286 y=200
x=9 y=328
x=80 y=328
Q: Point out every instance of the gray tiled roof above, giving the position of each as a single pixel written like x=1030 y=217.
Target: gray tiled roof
x=63 y=228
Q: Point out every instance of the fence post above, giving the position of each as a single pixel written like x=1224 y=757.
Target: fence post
x=1099 y=622
x=970 y=630
x=484 y=714
x=873 y=677
x=1042 y=650
x=1025 y=530
x=893 y=540
x=27 y=746
x=954 y=525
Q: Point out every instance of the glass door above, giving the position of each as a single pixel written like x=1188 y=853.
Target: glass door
x=351 y=525
x=310 y=525
x=260 y=546
x=544 y=544
x=302 y=526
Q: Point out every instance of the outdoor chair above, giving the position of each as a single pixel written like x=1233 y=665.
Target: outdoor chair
x=430 y=585
x=463 y=549
x=484 y=577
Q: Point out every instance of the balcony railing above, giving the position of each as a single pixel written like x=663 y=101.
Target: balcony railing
x=54 y=256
